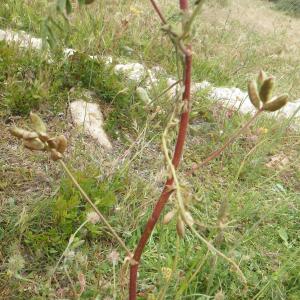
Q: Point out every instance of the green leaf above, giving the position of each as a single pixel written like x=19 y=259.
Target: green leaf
x=68 y=7
x=49 y=35
x=107 y=200
x=284 y=236
x=77 y=243
x=61 y=5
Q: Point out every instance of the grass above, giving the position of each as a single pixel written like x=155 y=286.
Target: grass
x=292 y=7
x=40 y=209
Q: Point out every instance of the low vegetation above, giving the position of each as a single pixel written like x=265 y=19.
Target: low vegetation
x=292 y=7
x=258 y=175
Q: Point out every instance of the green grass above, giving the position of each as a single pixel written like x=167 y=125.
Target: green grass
x=41 y=208
x=292 y=7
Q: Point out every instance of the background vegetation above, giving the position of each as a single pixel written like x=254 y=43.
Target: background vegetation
x=290 y=6
x=259 y=174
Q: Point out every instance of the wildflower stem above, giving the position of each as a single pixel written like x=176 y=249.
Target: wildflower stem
x=166 y=193
x=158 y=11
x=102 y=218
x=219 y=151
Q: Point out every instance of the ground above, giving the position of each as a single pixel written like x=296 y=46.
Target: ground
x=258 y=175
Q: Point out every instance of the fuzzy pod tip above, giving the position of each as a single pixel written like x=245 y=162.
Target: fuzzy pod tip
x=276 y=104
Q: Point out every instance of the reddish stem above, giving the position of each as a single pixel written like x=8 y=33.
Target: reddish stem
x=157 y=9
x=167 y=191
x=184 y=4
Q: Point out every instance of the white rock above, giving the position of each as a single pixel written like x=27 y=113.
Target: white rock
x=198 y=86
x=89 y=117
x=229 y=97
x=133 y=71
x=175 y=88
x=23 y=39
x=232 y=98
x=69 y=52
x=107 y=59
x=292 y=109
x=137 y=72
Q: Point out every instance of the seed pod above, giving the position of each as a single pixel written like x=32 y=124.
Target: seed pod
x=52 y=143
x=37 y=123
x=35 y=144
x=44 y=137
x=61 y=144
x=168 y=217
x=266 y=90
x=55 y=155
x=253 y=94
x=276 y=104
x=262 y=76
x=17 y=132
x=143 y=95
x=189 y=220
x=22 y=134
x=28 y=135
x=219 y=296
x=180 y=228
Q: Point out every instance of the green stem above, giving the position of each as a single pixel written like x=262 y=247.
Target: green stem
x=219 y=253
x=68 y=246
x=217 y=152
x=102 y=218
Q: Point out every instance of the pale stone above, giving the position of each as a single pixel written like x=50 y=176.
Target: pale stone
x=23 y=39
x=89 y=117
x=133 y=71
x=232 y=98
x=137 y=72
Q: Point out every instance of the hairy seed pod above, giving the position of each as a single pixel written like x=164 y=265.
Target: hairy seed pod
x=23 y=134
x=61 y=144
x=35 y=144
x=37 y=123
x=180 y=228
x=253 y=94
x=30 y=135
x=262 y=76
x=266 y=90
x=168 y=217
x=17 y=132
x=219 y=296
x=44 y=137
x=55 y=155
x=143 y=95
x=52 y=143
x=276 y=104
x=189 y=220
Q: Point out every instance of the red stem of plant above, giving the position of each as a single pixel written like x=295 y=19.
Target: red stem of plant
x=167 y=191
x=184 y=4
x=157 y=9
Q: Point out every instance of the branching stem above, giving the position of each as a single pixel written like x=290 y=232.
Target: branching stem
x=166 y=193
x=158 y=11
x=219 y=151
